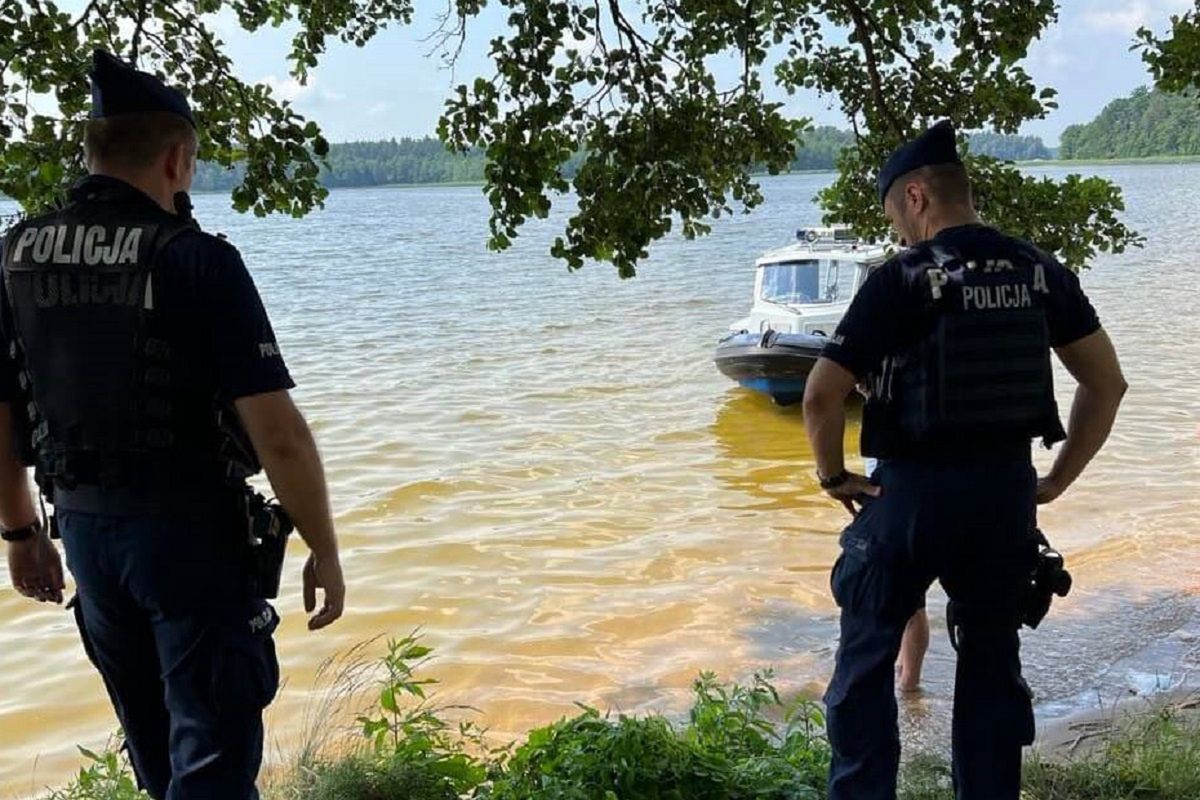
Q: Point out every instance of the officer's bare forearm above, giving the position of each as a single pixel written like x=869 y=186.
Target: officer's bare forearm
x=826 y=426
x=288 y=452
x=16 y=503
x=1093 y=362
x=825 y=414
x=1092 y=416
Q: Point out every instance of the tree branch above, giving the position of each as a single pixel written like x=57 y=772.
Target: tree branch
x=83 y=15
x=864 y=38
x=444 y=33
x=899 y=50
x=139 y=25
x=219 y=63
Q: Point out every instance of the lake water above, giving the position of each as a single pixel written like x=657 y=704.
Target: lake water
x=546 y=474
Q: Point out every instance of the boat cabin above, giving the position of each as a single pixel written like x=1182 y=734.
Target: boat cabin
x=806 y=287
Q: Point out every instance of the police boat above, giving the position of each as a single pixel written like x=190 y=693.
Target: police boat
x=801 y=292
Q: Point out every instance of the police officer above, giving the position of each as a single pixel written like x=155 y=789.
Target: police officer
x=952 y=337
x=127 y=335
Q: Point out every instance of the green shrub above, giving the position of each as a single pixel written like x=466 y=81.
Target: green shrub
x=106 y=776
x=730 y=749
x=413 y=733
x=371 y=778
x=766 y=739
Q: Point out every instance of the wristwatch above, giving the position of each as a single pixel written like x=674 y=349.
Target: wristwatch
x=23 y=533
x=833 y=481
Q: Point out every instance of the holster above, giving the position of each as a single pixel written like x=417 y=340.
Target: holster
x=267 y=527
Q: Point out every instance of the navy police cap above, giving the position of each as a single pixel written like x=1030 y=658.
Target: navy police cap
x=935 y=146
x=118 y=88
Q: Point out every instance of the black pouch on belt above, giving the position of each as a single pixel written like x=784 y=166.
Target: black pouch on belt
x=267 y=529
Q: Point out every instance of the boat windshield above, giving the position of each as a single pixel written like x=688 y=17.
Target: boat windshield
x=809 y=282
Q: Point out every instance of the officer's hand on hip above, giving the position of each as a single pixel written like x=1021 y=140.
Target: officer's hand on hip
x=326 y=574
x=854 y=489
x=36 y=569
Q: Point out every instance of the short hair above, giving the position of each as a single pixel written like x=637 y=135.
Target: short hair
x=136 y=141
x=949 y=184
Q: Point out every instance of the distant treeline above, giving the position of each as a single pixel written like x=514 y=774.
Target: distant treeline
x=822 y=146
x=1147 y=124
x=426 y=160
x=1010 y=148
x=409 y=161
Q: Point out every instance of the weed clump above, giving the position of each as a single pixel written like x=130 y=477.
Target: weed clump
x=739 y=742
x=1156 y=757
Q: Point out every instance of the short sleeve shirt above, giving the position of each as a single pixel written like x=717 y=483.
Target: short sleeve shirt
x=209 y=308
x=887 y=316
x=219 y=317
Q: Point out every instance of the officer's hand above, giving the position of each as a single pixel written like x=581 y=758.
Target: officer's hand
x=853 y=491
x=325 y=573
x=1048 y=490
x=36 y=569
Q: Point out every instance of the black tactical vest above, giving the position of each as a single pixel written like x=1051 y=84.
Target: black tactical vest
x=978 y=377
x=79 y=285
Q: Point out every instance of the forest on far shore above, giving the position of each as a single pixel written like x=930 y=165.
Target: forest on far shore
x=426 y=160
x=1146 y=124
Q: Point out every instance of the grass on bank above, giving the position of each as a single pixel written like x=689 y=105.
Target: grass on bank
x=737 y=743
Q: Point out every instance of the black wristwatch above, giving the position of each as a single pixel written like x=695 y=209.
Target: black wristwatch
x=833 y=481
x=22 y=534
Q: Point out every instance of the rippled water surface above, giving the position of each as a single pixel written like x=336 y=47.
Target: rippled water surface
x=545 y=472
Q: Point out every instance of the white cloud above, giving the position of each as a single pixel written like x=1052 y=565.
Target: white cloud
x=379 y=108
x=1127 y=17
x=1049 y=52
x=224 y=24
x=288 y=88
x=292 y=90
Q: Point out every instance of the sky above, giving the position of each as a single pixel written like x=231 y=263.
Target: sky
x=393 y=87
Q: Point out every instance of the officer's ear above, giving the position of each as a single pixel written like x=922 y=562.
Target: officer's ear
x=180 y=158
x=916 y=196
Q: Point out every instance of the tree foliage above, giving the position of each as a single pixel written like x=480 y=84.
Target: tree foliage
x=644 y=115
x=1174 y=59
x=1148 y=123
x=45 y=53
x=634 y=87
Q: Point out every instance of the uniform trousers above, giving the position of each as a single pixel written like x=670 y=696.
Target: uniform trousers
x=967 y=524
x=185 y=651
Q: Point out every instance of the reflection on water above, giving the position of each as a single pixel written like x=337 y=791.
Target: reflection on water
x=545 y=472
x=768 y=460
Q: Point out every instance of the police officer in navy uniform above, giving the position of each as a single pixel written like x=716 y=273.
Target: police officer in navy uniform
x=952 y=338
x=135 y=347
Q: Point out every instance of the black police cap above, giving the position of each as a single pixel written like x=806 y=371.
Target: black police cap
x=935 y=146
x=118 y=88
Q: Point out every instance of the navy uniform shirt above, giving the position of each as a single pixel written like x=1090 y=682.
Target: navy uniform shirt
x=887 y=316
x=209 y=309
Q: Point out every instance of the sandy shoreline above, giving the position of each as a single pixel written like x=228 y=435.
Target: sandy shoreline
x=1085 y=733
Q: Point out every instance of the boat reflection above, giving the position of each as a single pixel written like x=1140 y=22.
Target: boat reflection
x=765 y=454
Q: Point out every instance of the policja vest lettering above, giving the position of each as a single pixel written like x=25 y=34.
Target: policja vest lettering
x=78 y=284
x=980 y=374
